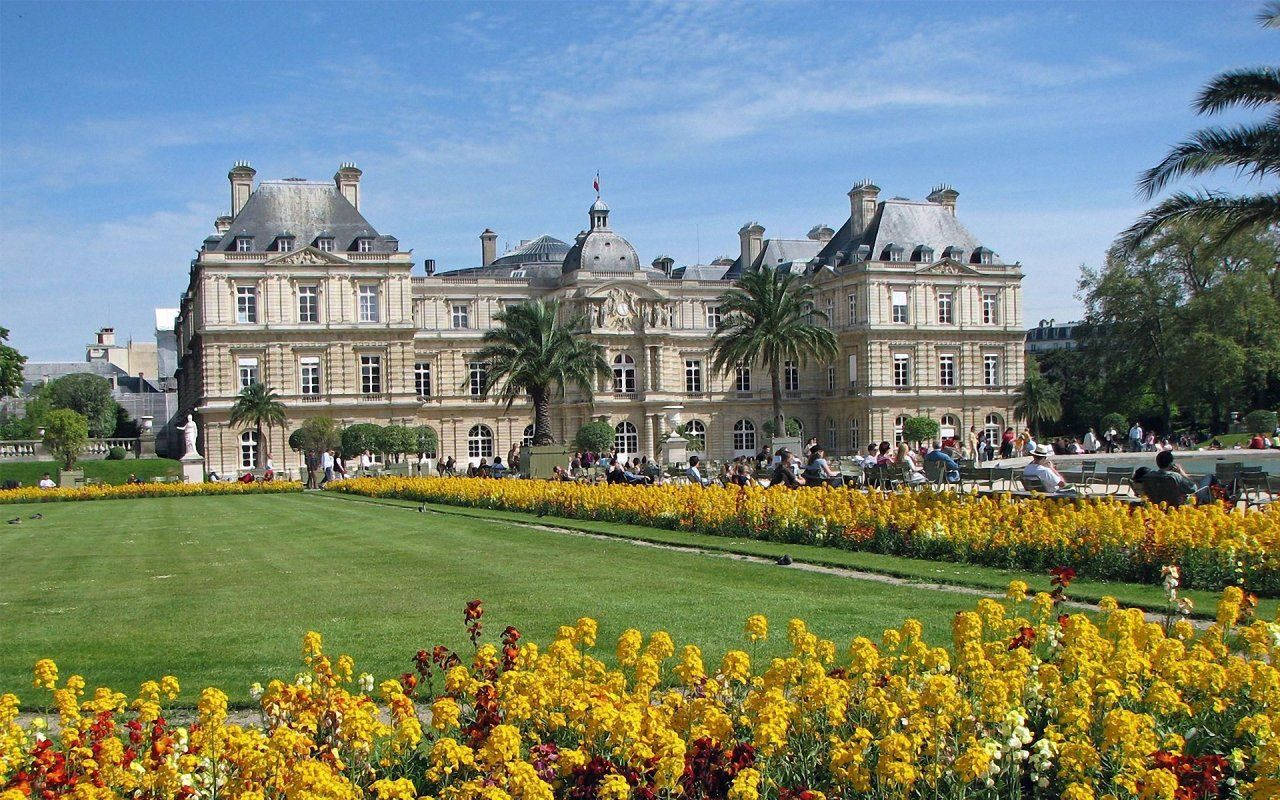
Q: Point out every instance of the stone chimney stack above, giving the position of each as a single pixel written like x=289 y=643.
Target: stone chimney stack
x=222 y=224
x=862 y=206
x=944 y=195
x=751 y=242
x=241 y=177
x=107 y=337
x=488 y=247
x=821 y=233
x=347 y=179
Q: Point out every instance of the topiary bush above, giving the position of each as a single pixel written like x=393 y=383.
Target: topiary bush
x=117 y=454
x=1260 y=421
x=595 y=436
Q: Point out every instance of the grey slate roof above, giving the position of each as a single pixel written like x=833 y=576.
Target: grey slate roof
x=542 y=250
x=700 y=272
x=778 y=251
x=305 y=210
x=907 y=224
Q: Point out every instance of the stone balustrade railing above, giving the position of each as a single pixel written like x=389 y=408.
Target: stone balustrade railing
x=34 y=449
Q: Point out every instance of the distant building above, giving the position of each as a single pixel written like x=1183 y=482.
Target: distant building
x=1051 y=335
x=134 y=358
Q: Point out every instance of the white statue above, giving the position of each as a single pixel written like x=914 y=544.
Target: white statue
x=189 y=432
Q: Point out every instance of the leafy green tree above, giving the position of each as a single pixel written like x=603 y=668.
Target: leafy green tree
x=66 y=433
x=1260 y=420
x=426 y=442
x=258 y=407
x=770 y=318
x=396 y=440
x=11 y=362
x=1251 y=150
x=1113 y=420
x=316 y=435
x=1037 y=399
x=360 y=437
x=88 y=395
x=596 y=436
x=533 y=352
x=793 y=427
x=920 y=429
x=1209 y=392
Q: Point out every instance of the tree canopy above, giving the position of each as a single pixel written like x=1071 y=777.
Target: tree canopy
x=11 y=362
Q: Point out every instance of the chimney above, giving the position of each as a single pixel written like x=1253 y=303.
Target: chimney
x=429 y=265
x=663 y=264
x=944 y=195
x=107 y=337
x=222 y=224
x=862 y=206
x=751 y=241
x=821 y=233
x=347 y=179
x=241 y=177
x=488 y=247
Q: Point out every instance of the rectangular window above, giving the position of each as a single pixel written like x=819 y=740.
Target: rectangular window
x=991 y=370
x=853 y=370
x=791 y=377
x=309 y=375
x=830 y=310
x=308 y=304
x=899 y=306
x=422 y=378
x=477 y=376
x=364 y=246
x=989 y=308
x=246 y=305
x=324 y=243
x=461 y=315
x=945 y=317
x=284 y=245
x=368 y=307
x=713 y=317
x=692 y=375
x=901 y=369
x=247 y=370
x=742 y=378
x=947 y=370
x=831 y=378
x=243 y=244
x=371 y=374
x=853 y=308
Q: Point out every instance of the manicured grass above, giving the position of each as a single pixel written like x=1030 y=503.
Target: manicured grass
x=219 y=590
x=991 y=578
x=28 y=473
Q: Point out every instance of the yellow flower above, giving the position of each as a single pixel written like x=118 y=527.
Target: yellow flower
x=1017 y=591
x=46 y=674
x=757 y=628
x=613 y=787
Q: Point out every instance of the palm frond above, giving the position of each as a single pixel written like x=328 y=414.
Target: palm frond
x=1230 y=215
x=1269 y=16
x=1252 y=150
x=1247 y=88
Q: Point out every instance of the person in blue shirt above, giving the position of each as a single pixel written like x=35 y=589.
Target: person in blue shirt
x=952 y=468
x=498 y=470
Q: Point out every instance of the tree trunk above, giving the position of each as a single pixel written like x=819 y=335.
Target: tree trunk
x=263 y=446
x=779 y=421
x=541 y=418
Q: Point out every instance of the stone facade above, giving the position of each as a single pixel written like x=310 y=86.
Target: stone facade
x=297 y=291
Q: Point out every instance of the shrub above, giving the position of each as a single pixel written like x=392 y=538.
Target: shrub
x=66 y=433
x=395 y=440
x=360 y=437
x=595 y=436
x=117 y=454
x=1113 y=420
x=316 y=435
x=920 y=429
x=1260 y=421
x=427 y=441
x=87 y=394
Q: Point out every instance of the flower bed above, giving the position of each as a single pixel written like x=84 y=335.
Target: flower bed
x=1106 y=540
x=130 y=491
x=1024 y=703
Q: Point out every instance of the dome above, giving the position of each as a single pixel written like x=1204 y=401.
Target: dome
x=599 y=249
x=542 y=250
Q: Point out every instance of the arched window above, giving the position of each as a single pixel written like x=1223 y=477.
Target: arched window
x=526 y=439
x=949 y=426
x=898 y=424
x=480 y=442
x=744 y=436
x=624 y=374
x=992 y=426
x=249 y=450
x=696 y=433
x=625 y=439
x=855 y=438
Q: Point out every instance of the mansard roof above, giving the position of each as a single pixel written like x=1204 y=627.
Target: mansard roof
x=907 y=224
x=305 y=210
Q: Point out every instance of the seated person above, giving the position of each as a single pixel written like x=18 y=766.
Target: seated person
x=1139 y=475
x=47 y=483
x=246 y=478
x=561 y=474
x=1257 y=442
x=630 y=472
x=951 y=467
x=741 y=475
x=694 y=474
x=1041 y=467
x=784 y=473
x=884 y=456
x=819 y=470
x=1169 y=483
x=498 y=470
x=650 y=470
x=869 y=460
x=906 y=458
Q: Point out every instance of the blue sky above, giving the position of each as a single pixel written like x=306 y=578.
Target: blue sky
x=118 y=124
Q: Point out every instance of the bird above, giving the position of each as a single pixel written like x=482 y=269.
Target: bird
x=783 y=561
x=15 y=520
x=37 y=516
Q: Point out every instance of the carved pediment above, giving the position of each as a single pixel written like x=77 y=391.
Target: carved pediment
x=306 y=257
x=946 y=266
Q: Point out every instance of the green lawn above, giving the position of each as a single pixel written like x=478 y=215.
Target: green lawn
x=28 y=473
x=220 y=589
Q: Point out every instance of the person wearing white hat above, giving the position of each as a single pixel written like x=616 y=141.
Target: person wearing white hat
x=1041 y=468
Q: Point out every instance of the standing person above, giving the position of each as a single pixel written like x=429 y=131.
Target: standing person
x=1091 y=443
x=1135 y=437
x=1006 y=442
x=326 y=466
x=973 y=444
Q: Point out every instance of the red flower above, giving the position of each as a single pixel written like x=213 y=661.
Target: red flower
x=1024 y=638
x=1062 y=576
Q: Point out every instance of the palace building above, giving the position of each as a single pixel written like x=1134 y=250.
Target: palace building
x=296 y=289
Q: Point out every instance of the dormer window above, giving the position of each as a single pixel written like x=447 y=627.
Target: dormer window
x=892 y=253
x=863 y=252
x=244 y=244
x=954 y=253
x=324 y=243
x=364 y=245
x=983 y=255
x=284 y=244
x=924 y=254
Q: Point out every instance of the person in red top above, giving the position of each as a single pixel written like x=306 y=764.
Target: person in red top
x=1257 y=442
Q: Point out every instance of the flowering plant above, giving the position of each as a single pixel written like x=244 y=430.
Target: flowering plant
x=129 y=491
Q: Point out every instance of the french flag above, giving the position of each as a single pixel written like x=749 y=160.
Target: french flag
x=596 y=183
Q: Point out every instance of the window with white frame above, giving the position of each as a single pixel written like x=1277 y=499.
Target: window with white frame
x=831 y=378
x=945 y=313
x=744 y=436
x=947 y=370
x=461 y=315
x=325 y=243
x=899 y=300
x=990 y=370
x=899 y=423
x=364 y=245
x=526 y=438
x=247 y=372
x=625 y=438
x=990 y=308
x=791 y=377
x=901 y=369
x=855 y=437
x=368 y=306
x=249 y=450
x=742 y=378
x=246 y=305
x=309 y=375
x=371 y=374
x=422 y=378
x=992 y=426
x=480 y=442
x=284 y=244
x=696 y=432
x=477 y=377
x=244 y=244
x=713 y=317
x=624 y=374
x=308 y=304
x=853 y=308
x=692 y=375
x=853 y=370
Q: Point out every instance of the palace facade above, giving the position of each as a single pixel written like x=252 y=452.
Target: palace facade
x=296 y=290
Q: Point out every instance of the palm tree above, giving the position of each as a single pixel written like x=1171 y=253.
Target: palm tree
x=257 y=406
x=769 y=317
x=1251 y=150
x=534 y=353
x=1037 y=399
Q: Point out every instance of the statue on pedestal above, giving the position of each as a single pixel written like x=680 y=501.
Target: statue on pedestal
x=189 y=433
